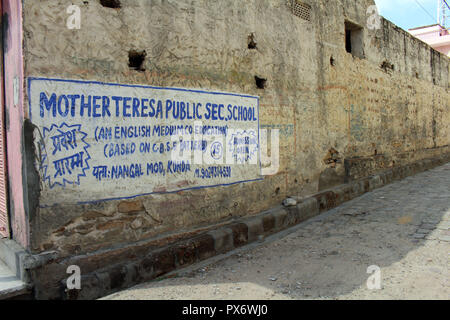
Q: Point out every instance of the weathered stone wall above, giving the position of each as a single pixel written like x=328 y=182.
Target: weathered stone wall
x=338 y=121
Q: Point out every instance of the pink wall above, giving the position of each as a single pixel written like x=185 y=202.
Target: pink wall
x=12 y=15
x=435 y=36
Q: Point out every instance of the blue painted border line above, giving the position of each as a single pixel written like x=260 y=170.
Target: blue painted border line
x=30 y=79
x=151 y=193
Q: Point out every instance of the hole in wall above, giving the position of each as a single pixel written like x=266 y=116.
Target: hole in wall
x=136 y=60
x=251 y=42
x=332 y=61
x=354 y=39
x=348 y=41
x=386 y=66
x=115 y=4
x=260 y=82
x=332 y=158
x=277 y=190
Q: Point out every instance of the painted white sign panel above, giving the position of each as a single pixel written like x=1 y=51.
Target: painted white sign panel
x=99 y=141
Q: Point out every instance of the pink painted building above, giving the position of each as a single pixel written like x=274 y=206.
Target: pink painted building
x=435 y=36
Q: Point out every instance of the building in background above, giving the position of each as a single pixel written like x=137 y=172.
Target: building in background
x=435 y=36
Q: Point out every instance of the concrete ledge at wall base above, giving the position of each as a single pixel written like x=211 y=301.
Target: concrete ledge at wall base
x=10 y=285
x=115 y=270
x=14 y=279
x=14 y=257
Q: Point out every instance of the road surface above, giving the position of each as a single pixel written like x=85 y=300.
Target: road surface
x=402 y=230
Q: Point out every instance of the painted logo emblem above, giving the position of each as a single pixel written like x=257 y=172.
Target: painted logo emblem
x=217 y=150
x=65 y=156
x=243 y=145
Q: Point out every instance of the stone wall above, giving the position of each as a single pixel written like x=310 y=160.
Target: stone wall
x=339 y=114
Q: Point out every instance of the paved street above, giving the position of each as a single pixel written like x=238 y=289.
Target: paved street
x=403 y=228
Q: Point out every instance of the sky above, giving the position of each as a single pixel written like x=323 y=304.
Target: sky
x=408 y=14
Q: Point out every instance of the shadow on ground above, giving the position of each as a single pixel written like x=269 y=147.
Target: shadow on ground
x=402 y=228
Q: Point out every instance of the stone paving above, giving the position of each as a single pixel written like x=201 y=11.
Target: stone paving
x=402 y=228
